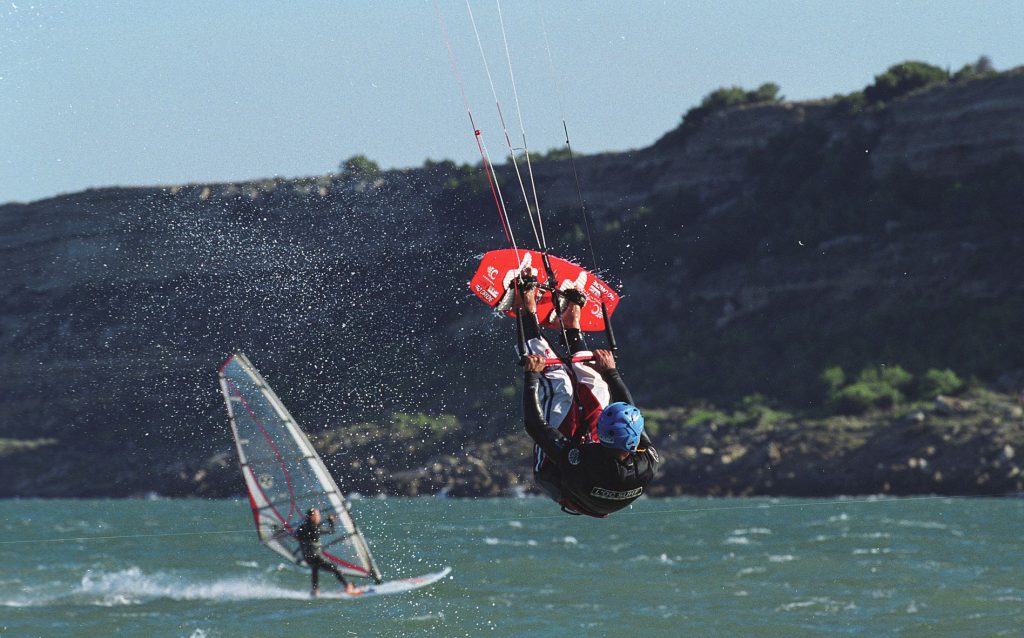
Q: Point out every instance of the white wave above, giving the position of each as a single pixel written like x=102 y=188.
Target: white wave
x=19 y=603
x=780 y=558
x=737 y=540
x=490 y=540
x=919 y=524
x=826 y=604
x=438 y=616
x=801 y=604
x=753 y=530
x=664 y=559
x=133 y=586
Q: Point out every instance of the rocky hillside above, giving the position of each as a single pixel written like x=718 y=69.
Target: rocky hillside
x=754 y=251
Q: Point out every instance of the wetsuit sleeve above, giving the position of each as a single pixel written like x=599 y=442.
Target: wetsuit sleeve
x=573 y=340
x=617 y=387
x=619 y=392
x=329 y=529
x=548 y=438
x=531 y=327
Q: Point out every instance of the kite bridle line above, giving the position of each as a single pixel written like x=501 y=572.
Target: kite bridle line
x=608 y=332
x=537 y=224
x=533 y=212
x=492 y=180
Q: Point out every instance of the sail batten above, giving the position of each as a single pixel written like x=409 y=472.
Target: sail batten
x=284 y=476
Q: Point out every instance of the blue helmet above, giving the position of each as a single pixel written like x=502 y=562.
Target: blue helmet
x=620 y=426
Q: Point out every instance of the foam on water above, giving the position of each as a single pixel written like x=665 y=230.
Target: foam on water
x=133 y=586
x=134 y=583
x=490 y=540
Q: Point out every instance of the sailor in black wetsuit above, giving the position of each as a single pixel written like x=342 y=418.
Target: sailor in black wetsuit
x=308 y=535
x=596 y=459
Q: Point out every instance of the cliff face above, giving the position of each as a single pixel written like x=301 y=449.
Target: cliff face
x=947 y=130
x=349 y=292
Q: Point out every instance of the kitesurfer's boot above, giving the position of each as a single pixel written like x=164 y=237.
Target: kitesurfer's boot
x=567 y=303
x=572 y=306
x=526 y=289
x=574 y=297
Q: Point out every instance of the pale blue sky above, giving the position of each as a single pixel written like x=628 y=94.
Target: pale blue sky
x=141 y=93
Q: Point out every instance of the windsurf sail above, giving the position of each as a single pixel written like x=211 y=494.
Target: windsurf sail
x=284 y=475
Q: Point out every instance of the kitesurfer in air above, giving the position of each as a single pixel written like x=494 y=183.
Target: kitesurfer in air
x=591 y=453
x=308 y=535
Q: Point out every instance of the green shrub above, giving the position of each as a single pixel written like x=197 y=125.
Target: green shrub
x=728 y=97
x=15 y=446
x=833 y=378
x=936 y=382
x=700 y=416
x=359 y=166
x=875 y=388
x=719 y=100
x=894 y=376
x=902 y=78
x=554 y=153
x=443 y=167
x=759 y=410
x=980 y=69
x=851 y=103
x=860 y=397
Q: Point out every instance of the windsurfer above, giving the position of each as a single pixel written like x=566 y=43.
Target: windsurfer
x=592 y=455
x=308 y=535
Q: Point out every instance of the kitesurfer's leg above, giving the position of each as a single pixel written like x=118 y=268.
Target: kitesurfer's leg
x=555 y=389
x=592 y=393
x=556 y=385
x=571 y=323
x=315 y=566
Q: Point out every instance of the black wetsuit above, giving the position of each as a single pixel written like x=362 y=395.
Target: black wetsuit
x=587 y=477
x=308 y=536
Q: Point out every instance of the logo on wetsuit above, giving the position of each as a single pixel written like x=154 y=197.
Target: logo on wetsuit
x=612 y=495
x=574 y=456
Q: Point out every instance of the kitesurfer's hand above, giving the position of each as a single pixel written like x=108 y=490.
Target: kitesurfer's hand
x=332 y=518
x=603 y=360
x=535 y=363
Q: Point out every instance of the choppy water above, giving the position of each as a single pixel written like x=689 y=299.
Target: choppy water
x=674 y=567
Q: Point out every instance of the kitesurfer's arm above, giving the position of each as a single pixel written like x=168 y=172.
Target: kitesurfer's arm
x=604 y=362
x=330 y=525
x=548 y=438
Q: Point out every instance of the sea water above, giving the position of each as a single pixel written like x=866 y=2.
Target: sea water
x=671 y=567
